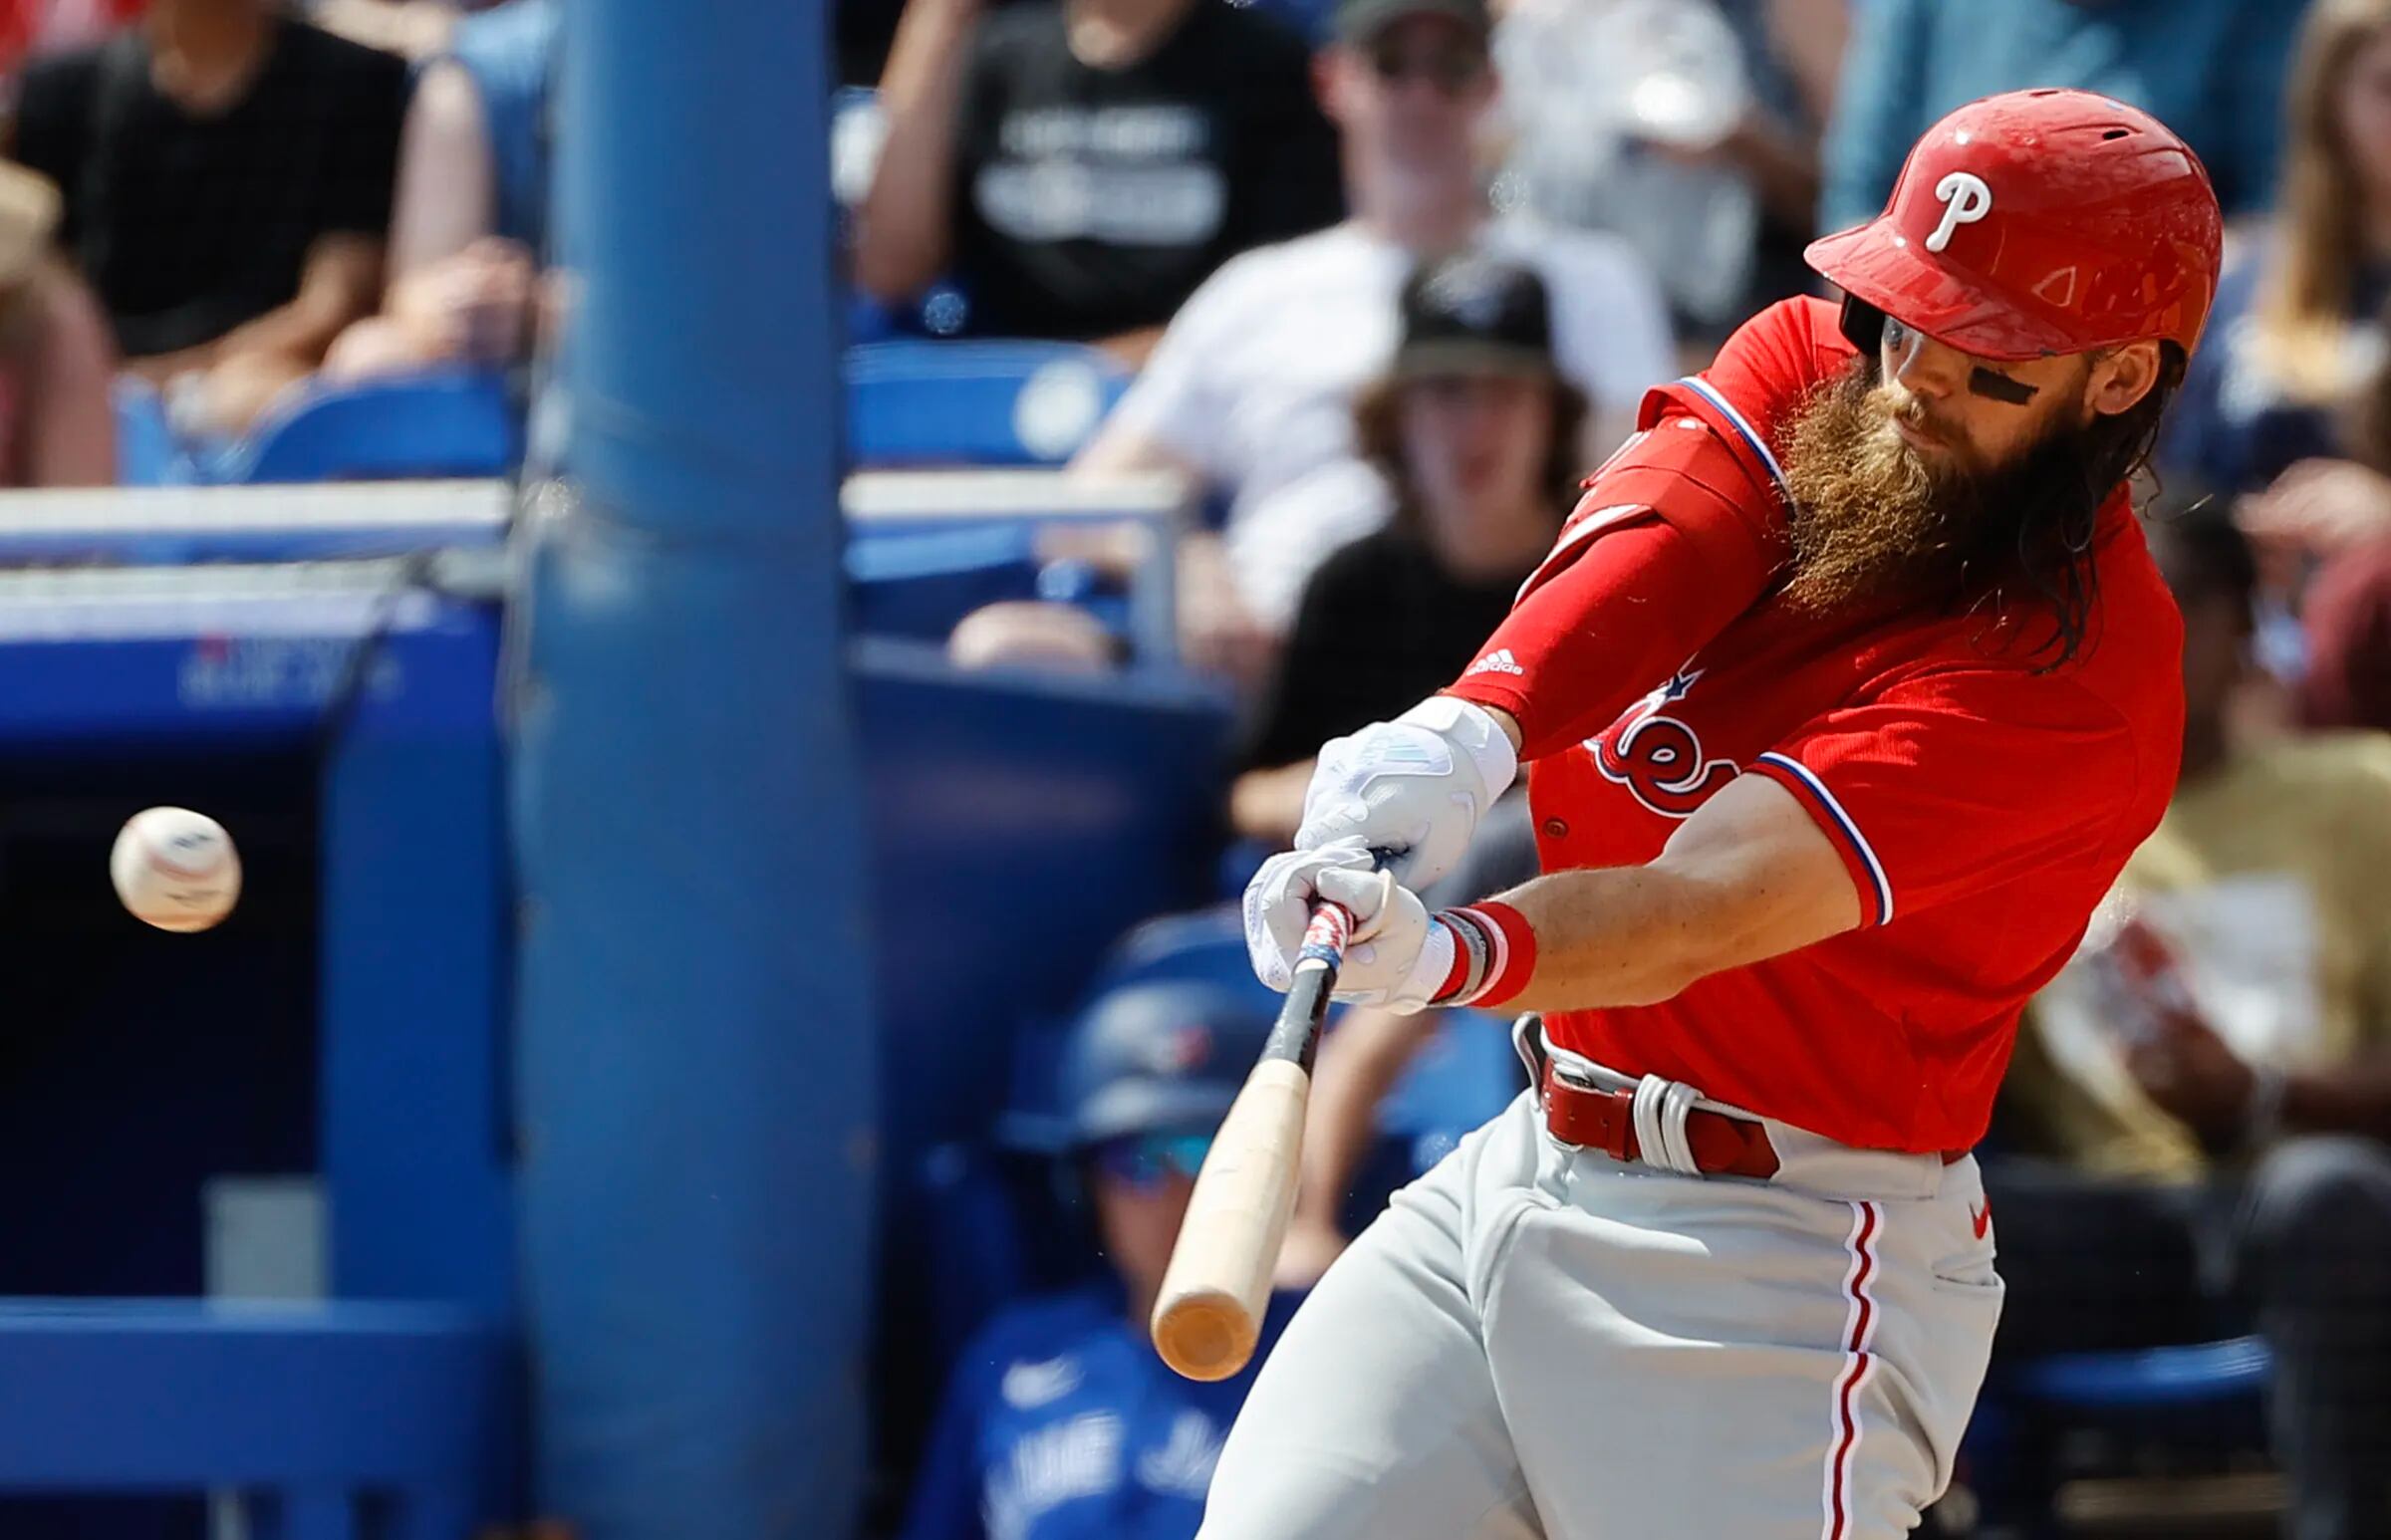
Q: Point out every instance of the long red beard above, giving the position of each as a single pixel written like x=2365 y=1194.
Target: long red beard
x=1876 y=521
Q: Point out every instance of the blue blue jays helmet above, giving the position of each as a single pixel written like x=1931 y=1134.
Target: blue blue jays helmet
x=1157 y=1056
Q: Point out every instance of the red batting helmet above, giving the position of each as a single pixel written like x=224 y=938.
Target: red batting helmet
x=2040 y=222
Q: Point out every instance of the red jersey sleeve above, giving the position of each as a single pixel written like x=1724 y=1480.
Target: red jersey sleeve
x=1775 y=360
x=1959 y=780
x=1674 y=538
x=1681 y=531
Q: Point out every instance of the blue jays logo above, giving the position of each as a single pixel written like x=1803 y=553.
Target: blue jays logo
x=1660 y=758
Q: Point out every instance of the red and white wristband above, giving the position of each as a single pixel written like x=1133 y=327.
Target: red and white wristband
x=1493 y=955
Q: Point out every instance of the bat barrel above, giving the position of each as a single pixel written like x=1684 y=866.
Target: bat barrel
x=1208 y=1317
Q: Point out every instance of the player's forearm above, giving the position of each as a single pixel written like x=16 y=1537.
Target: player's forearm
x=1749 y=876
x=1612 y=937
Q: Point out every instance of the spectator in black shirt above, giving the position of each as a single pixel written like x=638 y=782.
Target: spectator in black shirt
x=227 y=174
x=1475 y=433
x=1081 y=165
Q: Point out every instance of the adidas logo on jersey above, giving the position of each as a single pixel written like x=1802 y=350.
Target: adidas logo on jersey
x=1497 y=662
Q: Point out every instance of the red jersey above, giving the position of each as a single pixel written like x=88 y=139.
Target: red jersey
x=1982 y=800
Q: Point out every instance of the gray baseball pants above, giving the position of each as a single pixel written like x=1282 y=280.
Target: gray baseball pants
x=1540 y=1341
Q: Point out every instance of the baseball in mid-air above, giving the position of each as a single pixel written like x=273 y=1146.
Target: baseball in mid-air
x=176 y=868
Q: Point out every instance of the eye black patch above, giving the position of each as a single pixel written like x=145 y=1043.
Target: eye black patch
x=2001 y=387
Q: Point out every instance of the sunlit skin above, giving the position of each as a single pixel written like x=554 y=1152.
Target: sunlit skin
x=1957 y=409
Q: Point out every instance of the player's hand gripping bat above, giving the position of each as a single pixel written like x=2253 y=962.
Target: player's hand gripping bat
x=1208 y=1314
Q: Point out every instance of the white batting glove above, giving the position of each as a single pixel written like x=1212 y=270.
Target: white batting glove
x=1397 y=957
x=1413 y=788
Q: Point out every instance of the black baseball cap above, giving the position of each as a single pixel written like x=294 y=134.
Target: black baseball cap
x=1474 y=312
x=1357 y=21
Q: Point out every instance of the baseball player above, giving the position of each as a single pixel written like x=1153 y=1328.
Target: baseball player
x=1847 y=691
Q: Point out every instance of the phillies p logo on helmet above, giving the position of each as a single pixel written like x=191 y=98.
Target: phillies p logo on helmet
x=1965 y=199
x=2105 y=231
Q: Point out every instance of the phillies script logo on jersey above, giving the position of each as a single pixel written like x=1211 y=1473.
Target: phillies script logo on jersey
x=1660 y=758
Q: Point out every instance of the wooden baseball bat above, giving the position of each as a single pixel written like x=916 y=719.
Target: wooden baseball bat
x=1209 y=1315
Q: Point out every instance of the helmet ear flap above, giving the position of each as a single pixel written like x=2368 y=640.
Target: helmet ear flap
x=1863 y=325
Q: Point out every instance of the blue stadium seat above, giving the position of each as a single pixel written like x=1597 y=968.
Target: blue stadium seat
x=147 y=453
x=976 y=402
x=1308 y=19
x=331 y=1421
x=919 y=584
x=450 y=424
x=2198 y=1396
x=2195 y=1374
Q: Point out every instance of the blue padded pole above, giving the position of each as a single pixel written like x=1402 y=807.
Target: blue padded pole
x=696 y=1088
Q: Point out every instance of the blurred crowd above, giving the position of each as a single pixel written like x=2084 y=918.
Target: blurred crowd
x=1388 y=276
x=228 y=204
x=1391 y=275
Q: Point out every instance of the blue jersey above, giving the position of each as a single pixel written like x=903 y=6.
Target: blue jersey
x=1061 y=1424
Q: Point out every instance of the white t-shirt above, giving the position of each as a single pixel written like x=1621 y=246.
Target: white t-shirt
x=1254 y=382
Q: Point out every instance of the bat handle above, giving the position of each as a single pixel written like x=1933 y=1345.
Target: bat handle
x=1325 y=937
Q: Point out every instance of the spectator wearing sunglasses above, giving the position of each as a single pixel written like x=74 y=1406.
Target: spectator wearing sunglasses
x=1060 y=1422
x=1253 y=386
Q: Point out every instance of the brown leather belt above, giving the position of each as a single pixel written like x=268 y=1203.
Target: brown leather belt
x=1594 y=1119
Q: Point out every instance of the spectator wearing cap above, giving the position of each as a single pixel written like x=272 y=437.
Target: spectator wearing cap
x=1252 y=388
x=1475 y=433
x=2212 y=69
x=1059 y=1421
x=226 y=170
x=1079 y=167
x=57 y=425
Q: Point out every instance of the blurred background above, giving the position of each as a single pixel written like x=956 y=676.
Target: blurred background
x=749 y=581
